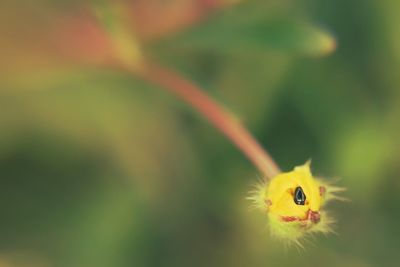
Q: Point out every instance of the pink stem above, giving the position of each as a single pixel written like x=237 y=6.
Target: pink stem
x=220 y=118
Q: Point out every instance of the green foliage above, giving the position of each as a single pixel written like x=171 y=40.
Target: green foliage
x=98 y=168
x=254 y=28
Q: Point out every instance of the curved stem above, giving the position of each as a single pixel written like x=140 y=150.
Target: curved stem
x=212 y=111
x=128 y=56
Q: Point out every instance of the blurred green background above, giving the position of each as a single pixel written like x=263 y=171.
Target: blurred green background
x=99 y=168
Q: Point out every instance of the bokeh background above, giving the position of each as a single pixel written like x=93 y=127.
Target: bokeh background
x=99 y=168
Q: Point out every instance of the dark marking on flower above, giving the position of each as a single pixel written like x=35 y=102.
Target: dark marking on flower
x=289 y=218
x=299 y=196
x=322 y=190
x=314 y=216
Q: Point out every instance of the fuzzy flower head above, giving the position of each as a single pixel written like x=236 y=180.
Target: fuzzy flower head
x=294 y=203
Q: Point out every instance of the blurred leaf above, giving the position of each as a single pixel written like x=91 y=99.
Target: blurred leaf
x=101 y=110
x=362 y=154
x=56 y=35
x=103 y=228
x=252 y=27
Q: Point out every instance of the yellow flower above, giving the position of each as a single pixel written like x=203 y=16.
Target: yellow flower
x=294 y=203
